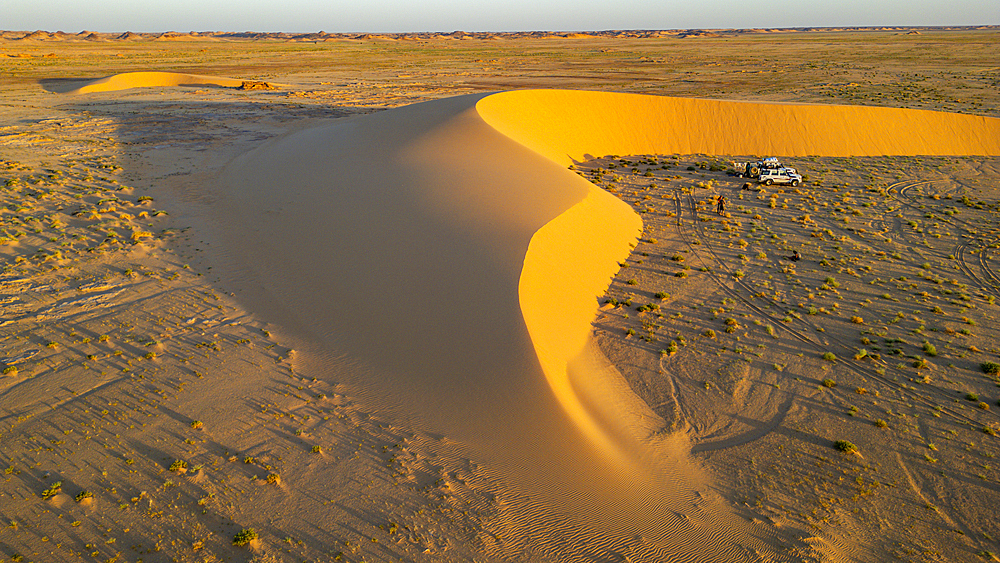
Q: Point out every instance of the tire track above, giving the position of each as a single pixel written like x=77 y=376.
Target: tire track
x=852 y=365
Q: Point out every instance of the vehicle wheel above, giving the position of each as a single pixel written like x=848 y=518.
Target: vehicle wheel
x=768 y=182
x=795 y=183
x=754 y=171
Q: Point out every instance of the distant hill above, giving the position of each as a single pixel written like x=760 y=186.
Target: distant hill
x=320 y=36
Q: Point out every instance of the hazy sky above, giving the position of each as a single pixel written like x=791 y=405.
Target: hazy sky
x=479 y=15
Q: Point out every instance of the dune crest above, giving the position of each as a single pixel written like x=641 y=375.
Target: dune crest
x=128 y=80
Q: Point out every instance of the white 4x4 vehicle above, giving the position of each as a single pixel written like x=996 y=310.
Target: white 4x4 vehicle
x=779 y=176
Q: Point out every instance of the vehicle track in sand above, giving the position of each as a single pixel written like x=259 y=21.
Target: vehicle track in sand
x=987 y=281
x=746 y=297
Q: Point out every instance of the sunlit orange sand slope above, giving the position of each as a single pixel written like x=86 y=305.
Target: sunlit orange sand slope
x=566 y=124
x=441 y=256
x=128 y=80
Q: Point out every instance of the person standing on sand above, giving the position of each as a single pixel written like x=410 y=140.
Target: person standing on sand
x=721 y=208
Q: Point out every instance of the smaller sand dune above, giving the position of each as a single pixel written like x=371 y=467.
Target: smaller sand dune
x=149 y=79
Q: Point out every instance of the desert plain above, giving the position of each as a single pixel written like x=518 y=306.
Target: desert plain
x=320 y=297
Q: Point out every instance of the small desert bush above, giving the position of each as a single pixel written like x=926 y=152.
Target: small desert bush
x=830 y=357
x=971 y=397
x=881 y=424
x=991 y=368
x=244 y=537
x=829 y=383
x=845 y=446
x=178 y=466
x=929 y=349
x=52 y=491
x=83 y=495
x=196 y=424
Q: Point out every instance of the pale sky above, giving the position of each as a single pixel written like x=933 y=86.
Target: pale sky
x=478 y=15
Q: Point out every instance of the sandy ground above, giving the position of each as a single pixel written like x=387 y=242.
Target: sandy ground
x=139 y=333
x=713 y=325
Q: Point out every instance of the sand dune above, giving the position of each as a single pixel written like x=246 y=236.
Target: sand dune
x=566 y=125
x=461 y=213
x=150 y=79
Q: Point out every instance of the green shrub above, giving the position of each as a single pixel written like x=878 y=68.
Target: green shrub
x=881 y=424
x=971 y=397
x=845 y=446
x=178 y=466
x=991 y=368
x=83 y=495
x=829 y=383
x=830 y=357
x=244 y=537
x=929 y=349
x=52 y=491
